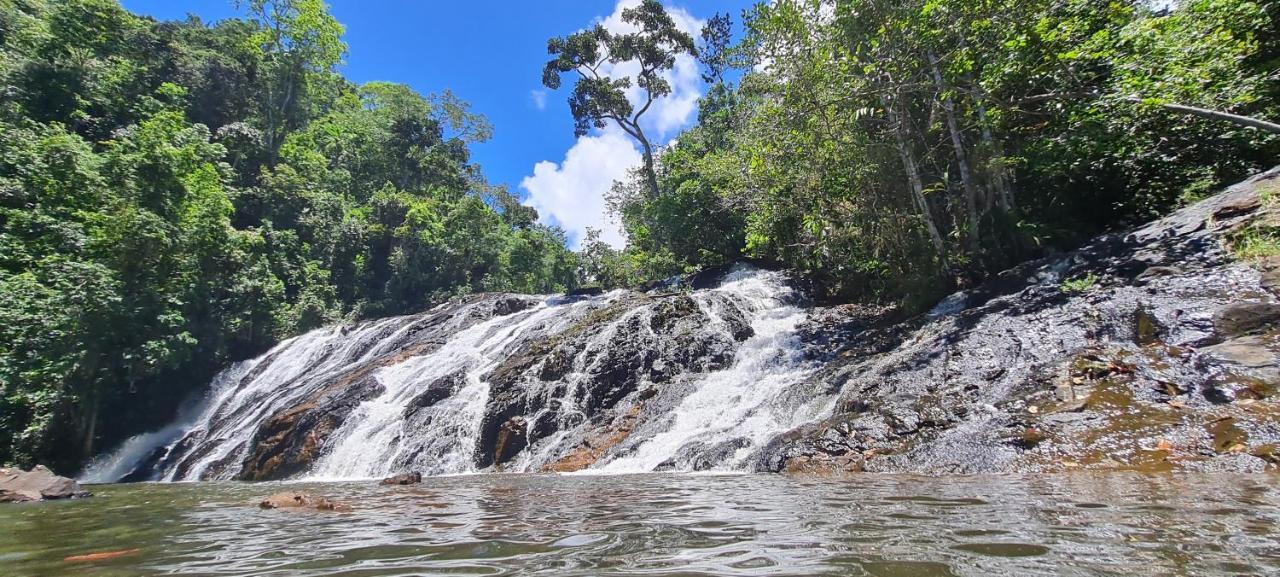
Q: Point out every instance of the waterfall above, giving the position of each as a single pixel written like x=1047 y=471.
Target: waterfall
x=745 y=405
x=699 y=379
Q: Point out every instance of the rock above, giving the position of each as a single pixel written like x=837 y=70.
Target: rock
x=1270 y=269
x=1242 y=318
x=1031 y=377
x=825 y=466
x=288 y=441
x=37 y=484
x=294 y=500
x=589 y=291
x=412 y=478
x=1250 y=351
x=1155 y=272
x=513 y=437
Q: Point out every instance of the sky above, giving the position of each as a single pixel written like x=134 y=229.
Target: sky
x=490 y=54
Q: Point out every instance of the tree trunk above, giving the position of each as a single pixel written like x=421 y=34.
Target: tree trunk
x=916 y=184
x=650 y=172
x=966 y=175
x=1227 y=116
x=999 y=175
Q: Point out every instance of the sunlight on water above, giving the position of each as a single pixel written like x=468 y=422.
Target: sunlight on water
x=659 y=525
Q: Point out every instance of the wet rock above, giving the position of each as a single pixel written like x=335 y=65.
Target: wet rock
x=296 y=500
x=1146 y=328
x=1242 y=318
x=1019 y=375
x=38 y=484
x=824 y=466
x=289 y=441
x=599 y=366
x=585 y=292
x=1251 y=351
x=1156 y=272
x=101 y=556
x=436 y=391
x=412 y=478
x=513 y=437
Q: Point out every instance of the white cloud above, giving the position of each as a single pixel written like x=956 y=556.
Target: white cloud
x=539 y=99
x=676 y=109
x=571 y=193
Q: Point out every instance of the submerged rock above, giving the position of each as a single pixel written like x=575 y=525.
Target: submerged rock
x=38 y=484
x=295 y=500
x=403 y=479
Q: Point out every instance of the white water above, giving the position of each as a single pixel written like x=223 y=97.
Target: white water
x=746 y=402
x=374 y=441
x=739 y=409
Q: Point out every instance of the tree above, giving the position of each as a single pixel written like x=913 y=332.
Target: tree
x=714 y=49
x=597 y=97
x=298 y=40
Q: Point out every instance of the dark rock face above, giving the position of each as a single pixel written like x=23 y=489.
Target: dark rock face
x=38 y=484
x=603 y=359
x=1027 y=374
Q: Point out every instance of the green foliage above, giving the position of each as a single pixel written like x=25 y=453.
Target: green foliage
x=1079 y=284
x=900 y=150
x=175 y=196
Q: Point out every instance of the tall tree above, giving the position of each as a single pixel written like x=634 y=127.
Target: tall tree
x=598 y=97
x=714 y=49
x=298 y=40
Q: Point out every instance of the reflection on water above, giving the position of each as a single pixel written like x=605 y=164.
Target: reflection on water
x=667 y=525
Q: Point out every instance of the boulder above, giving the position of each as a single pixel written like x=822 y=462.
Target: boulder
x=412 y=478
x=37 y=484
x=295 y=500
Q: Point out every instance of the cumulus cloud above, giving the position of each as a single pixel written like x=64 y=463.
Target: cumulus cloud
x=539 y=99
x=571 y=193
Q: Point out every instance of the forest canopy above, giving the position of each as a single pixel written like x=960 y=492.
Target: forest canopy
x=178 y=195
x=897 y=150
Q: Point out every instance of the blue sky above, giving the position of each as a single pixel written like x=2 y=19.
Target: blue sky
x=490 y=53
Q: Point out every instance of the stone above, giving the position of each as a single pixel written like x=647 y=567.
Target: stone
x=1270 y=269
x=411 y=478
x=295 y=500
x=1242 y=318
x=513 y=437
x=38 y=484
x=1250 y=351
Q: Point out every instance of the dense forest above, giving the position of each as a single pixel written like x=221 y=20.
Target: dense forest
x=900 y=149
x=176 y=196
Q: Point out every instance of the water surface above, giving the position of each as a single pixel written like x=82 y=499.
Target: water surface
x=656 y=524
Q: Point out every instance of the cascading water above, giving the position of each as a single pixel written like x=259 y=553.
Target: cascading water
x=672 y=381
x=742 y=407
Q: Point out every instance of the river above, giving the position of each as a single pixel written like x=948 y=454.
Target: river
x=666 y=524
